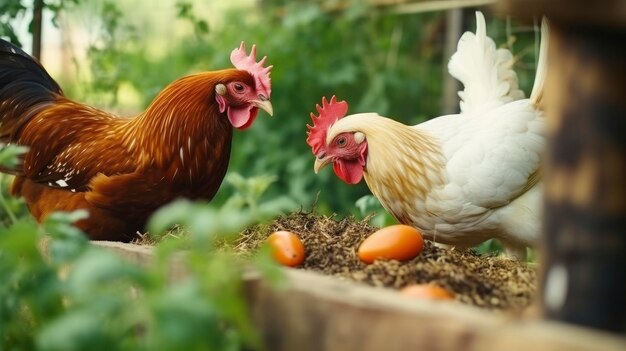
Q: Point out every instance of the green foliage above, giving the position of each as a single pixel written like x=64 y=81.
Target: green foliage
x=107 y=54
x=185 y=11
x=11 y=208
x=248 y=195
x=12 y=9
x=376 y=60
x=369 y=205
x=9 y=155
x=80 y=296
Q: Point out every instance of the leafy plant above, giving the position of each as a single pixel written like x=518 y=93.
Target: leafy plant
x=12 y=9
x=60 y=292
x=248 y=195
x=9 y=10
x=107 y=63
x=11 y=208
x=369 y=205
x=185 y=11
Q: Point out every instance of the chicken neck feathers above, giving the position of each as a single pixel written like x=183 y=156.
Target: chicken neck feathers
x=403 y=163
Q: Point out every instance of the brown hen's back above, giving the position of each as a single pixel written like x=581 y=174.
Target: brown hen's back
x=119 y=169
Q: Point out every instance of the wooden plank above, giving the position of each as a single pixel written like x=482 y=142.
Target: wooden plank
x=311 y=311
x=412 y=7
x=585 y=184
x=584 y=256
x=451 y=86
x=315 y=312
x=401 y=6
x=599 y=13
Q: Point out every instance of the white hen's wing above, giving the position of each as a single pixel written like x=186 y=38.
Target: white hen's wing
x=491 y=159
x=485 y=72
x=494 y=159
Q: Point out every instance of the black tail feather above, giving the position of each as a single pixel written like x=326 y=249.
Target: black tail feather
x=25 y=87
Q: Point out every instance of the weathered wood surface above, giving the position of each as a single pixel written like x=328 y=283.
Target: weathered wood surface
x=603 y=13
x=584 y=256
x=400 y=6
x=586 y=177
x=315 y=312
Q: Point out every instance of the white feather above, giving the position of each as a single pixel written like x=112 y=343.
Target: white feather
x=463 y=178
x=486 y=72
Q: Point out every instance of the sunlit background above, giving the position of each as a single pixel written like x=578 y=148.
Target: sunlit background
x=381 y=56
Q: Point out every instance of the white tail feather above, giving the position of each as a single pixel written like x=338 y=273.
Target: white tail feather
x=536 y=94
x=486 y=72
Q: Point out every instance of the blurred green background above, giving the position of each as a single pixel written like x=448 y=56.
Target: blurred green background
x=118 y=55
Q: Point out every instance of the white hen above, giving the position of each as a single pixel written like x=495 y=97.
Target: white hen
x=461 y=179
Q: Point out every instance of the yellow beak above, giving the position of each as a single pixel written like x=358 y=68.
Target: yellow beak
x=264 y=105
x=320 y=163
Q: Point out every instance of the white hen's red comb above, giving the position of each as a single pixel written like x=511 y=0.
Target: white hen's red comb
x=261 y=74
x=329 y=114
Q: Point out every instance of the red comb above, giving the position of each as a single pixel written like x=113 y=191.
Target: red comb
x=261 y=74
x=329 y=114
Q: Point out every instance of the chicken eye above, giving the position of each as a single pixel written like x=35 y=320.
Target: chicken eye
x=238 y=87
x=342 y=141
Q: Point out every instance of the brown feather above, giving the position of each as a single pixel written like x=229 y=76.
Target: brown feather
x=122 y=169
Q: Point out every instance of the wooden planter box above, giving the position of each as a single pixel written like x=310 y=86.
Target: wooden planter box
x=316 y=312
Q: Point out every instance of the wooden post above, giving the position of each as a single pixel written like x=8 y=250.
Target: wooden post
x=454 y=30
x=585 y=197
x=37 y=22
x=584 y=253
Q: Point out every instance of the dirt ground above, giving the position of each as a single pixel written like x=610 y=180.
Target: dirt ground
x=331 y=248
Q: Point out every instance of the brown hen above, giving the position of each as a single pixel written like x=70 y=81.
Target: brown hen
x=122 y=169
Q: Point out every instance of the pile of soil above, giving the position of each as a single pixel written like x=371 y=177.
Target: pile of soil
x=331 y=248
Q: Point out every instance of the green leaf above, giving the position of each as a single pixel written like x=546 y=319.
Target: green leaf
x=99 y=270
x=184 y=9
x=76 y=330
x=165 y=217
x=232 y=222
x=237 y=181
x=265 y=262
x=68 y=217
x=65 y=251
x=367 y=204
x=203 y=223
x=259 y=184
x=60 y=225
x=184 y=319
x=234 y=203
x=202 y=26
x=9 y=155
x=271 y=208
x=20 y=241
x=302 y=15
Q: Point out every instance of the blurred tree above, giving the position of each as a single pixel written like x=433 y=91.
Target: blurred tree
x=13 y=9
x=10 y=9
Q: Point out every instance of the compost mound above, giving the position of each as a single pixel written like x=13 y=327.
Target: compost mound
x=331 y=248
